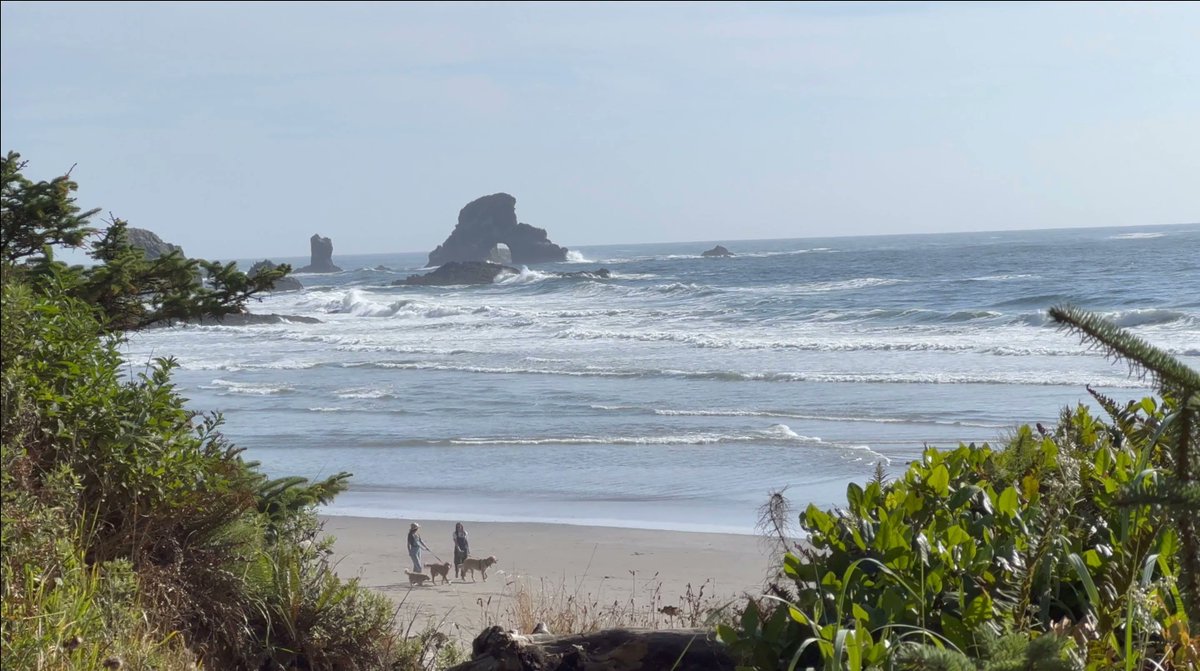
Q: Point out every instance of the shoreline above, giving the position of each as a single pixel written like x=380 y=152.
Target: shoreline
x=626 y=575
x=365 y=512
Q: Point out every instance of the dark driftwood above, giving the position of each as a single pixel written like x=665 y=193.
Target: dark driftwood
x=611 y=650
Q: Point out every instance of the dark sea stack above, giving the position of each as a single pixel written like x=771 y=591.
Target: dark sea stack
x=150 y=243
x=489 y=221
x=599 y=274
x=322 y=256
x=458 y=272
x=281 y=284
x=717 y=251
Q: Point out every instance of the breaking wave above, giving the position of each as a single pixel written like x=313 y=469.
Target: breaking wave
x=248 y=388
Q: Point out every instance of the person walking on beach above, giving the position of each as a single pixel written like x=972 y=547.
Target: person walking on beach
x=461 y=548
x=414 y=547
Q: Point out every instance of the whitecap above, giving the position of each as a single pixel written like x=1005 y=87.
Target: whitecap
x=248 y=388
x=1136 y=236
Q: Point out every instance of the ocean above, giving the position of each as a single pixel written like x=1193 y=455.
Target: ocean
x=682 y=391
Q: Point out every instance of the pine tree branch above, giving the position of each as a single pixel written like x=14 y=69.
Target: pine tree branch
x=1117 y=343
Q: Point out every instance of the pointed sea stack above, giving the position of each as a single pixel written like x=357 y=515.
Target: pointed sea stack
x=490 y=221
x=322 y=256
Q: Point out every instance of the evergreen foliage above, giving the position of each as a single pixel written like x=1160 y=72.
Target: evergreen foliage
x=128 y=290
x=133 y=532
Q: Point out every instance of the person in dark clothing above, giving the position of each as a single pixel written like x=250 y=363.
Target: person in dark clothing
x=414 y=547
x=461 y=548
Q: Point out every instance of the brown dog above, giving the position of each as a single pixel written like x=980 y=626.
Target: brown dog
x=474 y=564
x=439 y=569
x=415 y=578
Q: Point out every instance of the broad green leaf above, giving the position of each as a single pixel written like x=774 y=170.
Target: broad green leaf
x=1008 y=502
x=798 y=616
x=978 y=611
x=939 y=480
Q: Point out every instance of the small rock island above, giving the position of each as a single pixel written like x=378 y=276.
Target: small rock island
x=717 y=251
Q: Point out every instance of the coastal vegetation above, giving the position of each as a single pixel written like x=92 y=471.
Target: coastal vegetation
x=1066 y=547
x=134 y=534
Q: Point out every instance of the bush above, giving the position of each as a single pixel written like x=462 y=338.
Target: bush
x=1074 y=535
x=133 y=533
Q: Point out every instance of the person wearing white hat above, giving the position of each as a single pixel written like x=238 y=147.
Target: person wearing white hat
x=414 y=547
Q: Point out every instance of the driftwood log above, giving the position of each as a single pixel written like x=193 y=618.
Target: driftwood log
x=610 y=650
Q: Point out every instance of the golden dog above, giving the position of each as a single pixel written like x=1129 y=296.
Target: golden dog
x=415 y=578
x=474 y=564
x=439 y=569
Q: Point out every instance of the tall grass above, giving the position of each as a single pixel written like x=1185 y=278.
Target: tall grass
x=524 y=604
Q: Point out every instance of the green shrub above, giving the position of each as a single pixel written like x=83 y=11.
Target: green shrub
x=131 y=528
x=1075 y=533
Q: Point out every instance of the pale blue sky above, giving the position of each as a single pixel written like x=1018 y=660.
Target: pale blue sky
x=239 y=130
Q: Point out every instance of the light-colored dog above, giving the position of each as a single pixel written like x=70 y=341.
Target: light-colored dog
x=415 y=578
x=436 y=570
x=473 y=564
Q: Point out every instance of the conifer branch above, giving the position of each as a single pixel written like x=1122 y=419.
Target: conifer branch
x=1117 y=343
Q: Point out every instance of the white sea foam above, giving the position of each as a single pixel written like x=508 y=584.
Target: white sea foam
x=248 y=388
x=525 y=276
x=847 y=285
x=1001 y=278
x=810 y=417
x=576 y=257
x=775 y=433
x=364 y=393
x=1136 y=236
x=1019 y=377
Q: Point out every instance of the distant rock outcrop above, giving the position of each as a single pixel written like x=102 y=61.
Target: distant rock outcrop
x=150 y=243
x=599 y=274
x=718 y=251
x=281 y=284
x=456 y=272
x=322 y=256
x=489 y=221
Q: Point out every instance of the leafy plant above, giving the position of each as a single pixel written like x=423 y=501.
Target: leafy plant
x=1067 y=545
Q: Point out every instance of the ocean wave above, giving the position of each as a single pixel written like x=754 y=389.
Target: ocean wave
x=676 y=288
x=576 y=257
x=931 y=341
x=773 y=433
x=357 y=303
x=364 y=393
x=814 y=418
x=1148 y=317
x=1002 y=278
x=248 y=388
x=841 y=285
x=778 y=434
x=632 y=276
x=1136 y=236
x=524 y=276
x=1030 y=378
x=235 y=365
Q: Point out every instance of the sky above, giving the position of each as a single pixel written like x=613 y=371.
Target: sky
x=239 y=130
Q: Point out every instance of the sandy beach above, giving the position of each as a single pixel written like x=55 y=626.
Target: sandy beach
x=591 y=574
